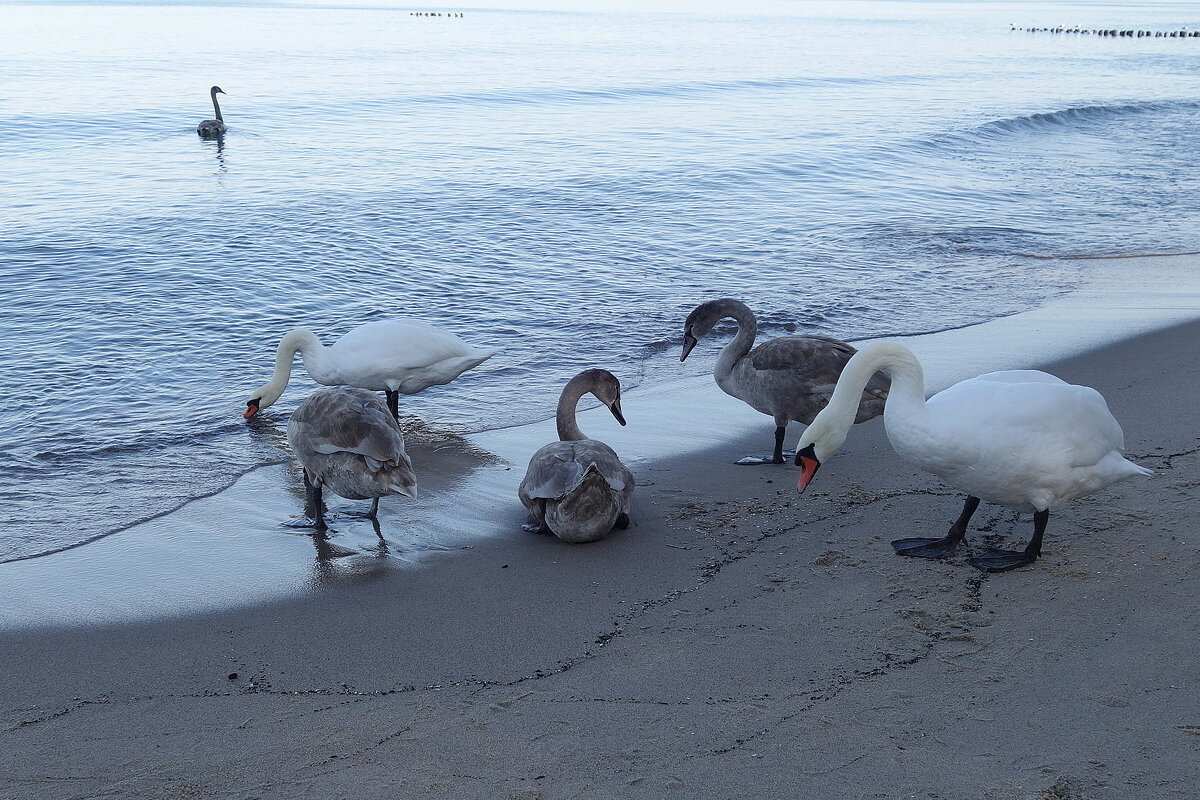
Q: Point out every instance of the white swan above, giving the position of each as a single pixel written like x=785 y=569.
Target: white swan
x=213 y=127
x=577 y=488
x=401 y=356
x=346 y=439
x=787 y=378
x=1022 y=439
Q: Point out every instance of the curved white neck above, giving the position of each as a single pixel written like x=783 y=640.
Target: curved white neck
x=737 y=349
x=905 y=407
x=315 y=361
x=568 y=402
x=311 y=351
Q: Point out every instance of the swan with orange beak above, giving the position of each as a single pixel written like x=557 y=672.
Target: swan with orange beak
x=1023 y=439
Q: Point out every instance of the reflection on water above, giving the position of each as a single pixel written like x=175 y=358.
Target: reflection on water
x=336 y=564
x=269 y=431
x=218 y=143
x=235 y=548
x=443 y=460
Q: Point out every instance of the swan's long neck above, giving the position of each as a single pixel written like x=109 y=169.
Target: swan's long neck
x=905 y=407
x=216 y=105
x=736 y=350
x=568 y=401
x=310 y=349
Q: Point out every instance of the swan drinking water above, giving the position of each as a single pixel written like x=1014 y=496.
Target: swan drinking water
x=577 y=488
x=402 y=356
x=347 y=440
x=1021 y=438
x=787 y=378
x=213 y=127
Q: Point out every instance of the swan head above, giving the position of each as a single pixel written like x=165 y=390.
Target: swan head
x=703 y=318
x=262 y=397
x=817 y=445
x=403 y=480
x=606 y=388
x=216 y=90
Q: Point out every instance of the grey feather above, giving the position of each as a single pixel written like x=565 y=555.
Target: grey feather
x=346 y=439
x=578 y=488
x=789 y=378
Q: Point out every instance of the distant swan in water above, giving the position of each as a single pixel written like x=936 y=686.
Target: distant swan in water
x=213 y=127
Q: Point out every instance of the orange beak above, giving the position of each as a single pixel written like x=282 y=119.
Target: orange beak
x=251 y=410
x=808 y=468
x=808 y=463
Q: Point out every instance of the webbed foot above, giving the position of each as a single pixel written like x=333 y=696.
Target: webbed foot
x=351 y=513
x=749 y=460
x=926 y=548
x=535 y=527
x=1001 y=560
x=307 y=523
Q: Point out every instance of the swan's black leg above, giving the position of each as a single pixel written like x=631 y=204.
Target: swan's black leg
x=1004 y=560
x=393 y=401
x=382 y=541
x=940 y=548
x=314 y=505
x=374 y=509
x=776 y=458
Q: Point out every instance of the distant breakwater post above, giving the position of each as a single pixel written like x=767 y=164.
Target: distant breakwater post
x=435 y=13
x=1183 y=33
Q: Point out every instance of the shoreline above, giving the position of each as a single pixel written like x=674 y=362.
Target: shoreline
x=267 y=432
x=746 y=643
x=229 y=549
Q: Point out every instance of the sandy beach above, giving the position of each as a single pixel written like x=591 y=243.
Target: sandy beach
x=738 y=641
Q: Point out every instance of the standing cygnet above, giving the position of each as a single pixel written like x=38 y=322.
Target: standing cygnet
x=577 y=488
x=348 y=440
x=788 y=378
x=213 y=127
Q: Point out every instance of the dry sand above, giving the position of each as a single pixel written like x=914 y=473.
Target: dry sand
x=739 y=641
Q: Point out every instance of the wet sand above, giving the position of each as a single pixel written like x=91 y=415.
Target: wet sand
x=739 y=641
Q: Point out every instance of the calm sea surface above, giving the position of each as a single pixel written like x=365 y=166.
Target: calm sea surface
x=564 y=183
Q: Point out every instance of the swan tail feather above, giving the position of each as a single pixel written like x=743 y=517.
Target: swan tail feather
x=1138 y=469
x=587 y=512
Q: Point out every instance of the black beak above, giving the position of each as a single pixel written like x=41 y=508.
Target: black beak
x=615 y=408
x=689 y=342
